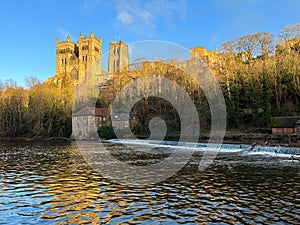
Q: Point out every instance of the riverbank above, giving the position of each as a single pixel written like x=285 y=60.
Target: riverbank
x=262 y=138
x=230 y=137
x=238 y=137
x=35 y=139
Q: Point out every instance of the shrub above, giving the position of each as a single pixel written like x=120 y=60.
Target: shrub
x=106 y=132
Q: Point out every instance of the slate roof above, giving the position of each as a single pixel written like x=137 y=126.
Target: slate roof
x=91 y=111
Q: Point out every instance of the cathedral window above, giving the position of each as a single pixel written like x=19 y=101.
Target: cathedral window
x=74 y=74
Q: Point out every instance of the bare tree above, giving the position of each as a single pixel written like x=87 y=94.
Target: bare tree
x=32 y=81
x=10 y=83
x=288 y=35
x=265 y=43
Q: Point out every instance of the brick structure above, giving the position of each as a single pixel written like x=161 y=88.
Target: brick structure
x=285 y=125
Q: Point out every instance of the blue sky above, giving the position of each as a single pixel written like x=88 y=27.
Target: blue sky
x=29 y=28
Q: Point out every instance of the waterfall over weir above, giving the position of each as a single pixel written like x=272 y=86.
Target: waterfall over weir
x=278 y=151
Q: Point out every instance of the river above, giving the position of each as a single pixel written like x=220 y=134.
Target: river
x=51 y=183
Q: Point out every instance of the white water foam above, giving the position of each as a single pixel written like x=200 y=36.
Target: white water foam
x=272 y=151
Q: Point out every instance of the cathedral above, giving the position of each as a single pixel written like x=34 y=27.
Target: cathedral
x=82 y=61
x=74 y=60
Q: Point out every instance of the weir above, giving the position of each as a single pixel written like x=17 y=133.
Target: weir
x=277 y=150
x=243 y=148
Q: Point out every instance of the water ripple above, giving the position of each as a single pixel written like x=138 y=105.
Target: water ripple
x=51 y=183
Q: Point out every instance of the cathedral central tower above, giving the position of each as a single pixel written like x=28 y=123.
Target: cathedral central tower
x=118 y=57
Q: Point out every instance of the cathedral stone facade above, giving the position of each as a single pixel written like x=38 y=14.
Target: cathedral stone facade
x=118 y=57
x=74 y=60
x=82 y=61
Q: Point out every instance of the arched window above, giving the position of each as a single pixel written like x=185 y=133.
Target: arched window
x=74 y=74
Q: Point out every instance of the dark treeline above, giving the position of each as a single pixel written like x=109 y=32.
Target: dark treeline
x=258 y=73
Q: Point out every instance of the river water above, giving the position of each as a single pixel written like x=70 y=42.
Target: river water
x=51 y=183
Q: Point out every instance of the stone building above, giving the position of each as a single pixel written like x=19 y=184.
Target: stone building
x=120 y=120
x=83 y=60
x=87 y=120
x=73 y=59
x=212 y=58
x=118 y=57
x=291 y=46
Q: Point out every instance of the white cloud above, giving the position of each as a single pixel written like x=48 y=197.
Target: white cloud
x=63 y=33
x=143 y=17
x=125 y=18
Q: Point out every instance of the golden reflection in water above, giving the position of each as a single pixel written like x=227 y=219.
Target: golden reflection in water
x=75 y=191
x=56 y=186
x=81 y=196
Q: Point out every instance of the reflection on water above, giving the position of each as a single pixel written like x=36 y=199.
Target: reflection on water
x=51 y=183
